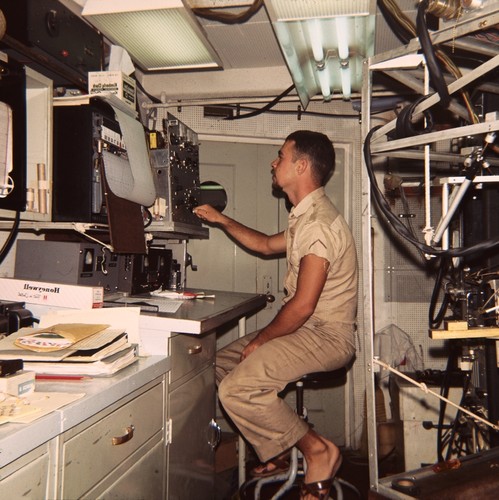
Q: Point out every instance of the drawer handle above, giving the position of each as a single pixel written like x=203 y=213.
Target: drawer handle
x=126 y=437
x=195 y=349
x=215 y=434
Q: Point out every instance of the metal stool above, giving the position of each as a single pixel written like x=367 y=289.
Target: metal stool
x=289 y=477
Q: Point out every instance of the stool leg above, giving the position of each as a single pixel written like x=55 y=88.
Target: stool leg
x=292 y=473
x=288 y=477
x=300 y=408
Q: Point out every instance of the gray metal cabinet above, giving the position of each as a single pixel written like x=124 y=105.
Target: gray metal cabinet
x=28 y=476
x=101 y=451
x=191 y=403
x=115 y=450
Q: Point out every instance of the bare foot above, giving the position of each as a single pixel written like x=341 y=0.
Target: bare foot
x=323 y=461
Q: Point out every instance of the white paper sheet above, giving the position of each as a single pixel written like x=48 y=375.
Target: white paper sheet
x=35 y=405
x=135 y=181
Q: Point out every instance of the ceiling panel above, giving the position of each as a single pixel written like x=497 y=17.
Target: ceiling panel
x=248 y=45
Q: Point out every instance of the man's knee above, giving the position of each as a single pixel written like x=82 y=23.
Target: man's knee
x=226 y=395
x=231 y=394
x=224 y=390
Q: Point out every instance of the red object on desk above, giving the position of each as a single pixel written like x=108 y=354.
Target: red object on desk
x=61 y=378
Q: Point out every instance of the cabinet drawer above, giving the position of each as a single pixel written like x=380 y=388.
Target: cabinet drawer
x=92 y=454
x=26 y=477
x=144 y=479
x=190 y=352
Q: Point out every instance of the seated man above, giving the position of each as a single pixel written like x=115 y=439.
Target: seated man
x=314 y=329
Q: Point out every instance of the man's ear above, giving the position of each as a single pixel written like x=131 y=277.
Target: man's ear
x=302 y=165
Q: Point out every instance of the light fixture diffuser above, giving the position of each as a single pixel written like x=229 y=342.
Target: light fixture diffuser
x=324 y=43
x=158 y=34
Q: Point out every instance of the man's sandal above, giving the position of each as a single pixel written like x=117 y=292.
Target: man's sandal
x=275 y=466
x=321 y=489
x=318 y=489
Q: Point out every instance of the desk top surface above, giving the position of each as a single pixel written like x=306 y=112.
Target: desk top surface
x=204 y=315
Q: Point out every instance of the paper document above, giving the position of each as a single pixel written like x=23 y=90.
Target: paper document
x=105 y=367
x=142 y=189
x=27 y=409
x=126 y=318
x=59 y=336
x=90 y=355
x=164 y=306
x=9 y=349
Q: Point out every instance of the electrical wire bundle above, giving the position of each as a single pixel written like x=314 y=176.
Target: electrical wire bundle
x=401 y=229
x=436 y=75
x=405 y=30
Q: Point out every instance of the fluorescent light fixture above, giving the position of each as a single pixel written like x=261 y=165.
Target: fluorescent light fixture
x=342 y=35
x=315 y=34
x=324 y=84
x=158 y=34
x=346 y=79
x=324 y=43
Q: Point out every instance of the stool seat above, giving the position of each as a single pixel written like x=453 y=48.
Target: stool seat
x=316 y=377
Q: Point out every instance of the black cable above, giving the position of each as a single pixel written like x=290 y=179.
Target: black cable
x=289 y=112
x=404 y=126
x=268 y=106
x=149 y=220
x=144 y=91
x=435 y=322
x=457 y=422
x=405 y=205
x=222 y=17
x=242 y=17
x=401 y=228
x=436 y=76
x=11 y=238
x=444 y=391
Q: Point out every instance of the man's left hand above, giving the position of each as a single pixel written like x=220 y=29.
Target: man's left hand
x=252 y=346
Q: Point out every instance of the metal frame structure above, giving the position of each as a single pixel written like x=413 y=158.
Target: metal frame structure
x=404 y=148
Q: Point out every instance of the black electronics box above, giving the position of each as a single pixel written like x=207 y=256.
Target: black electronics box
x=13 y=98
x=89 y=264
x=73 y=263
x=51 y=35
x=151 y=271
x=10 y=366
x=14 y=316
x=77 y=190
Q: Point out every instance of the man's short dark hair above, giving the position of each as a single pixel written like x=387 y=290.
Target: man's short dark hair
x=319 y=149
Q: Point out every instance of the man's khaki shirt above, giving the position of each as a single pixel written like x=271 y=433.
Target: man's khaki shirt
x=316 y=227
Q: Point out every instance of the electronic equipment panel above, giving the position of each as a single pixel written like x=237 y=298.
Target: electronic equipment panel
x=51 y=39
x=13 y=145
x=174 y=155
x=81 y=134
x=90 y=264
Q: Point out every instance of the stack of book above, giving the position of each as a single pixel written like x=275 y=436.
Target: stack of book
x=70 y=349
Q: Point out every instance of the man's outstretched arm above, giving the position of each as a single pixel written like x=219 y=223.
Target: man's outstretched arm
x=249 y=238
